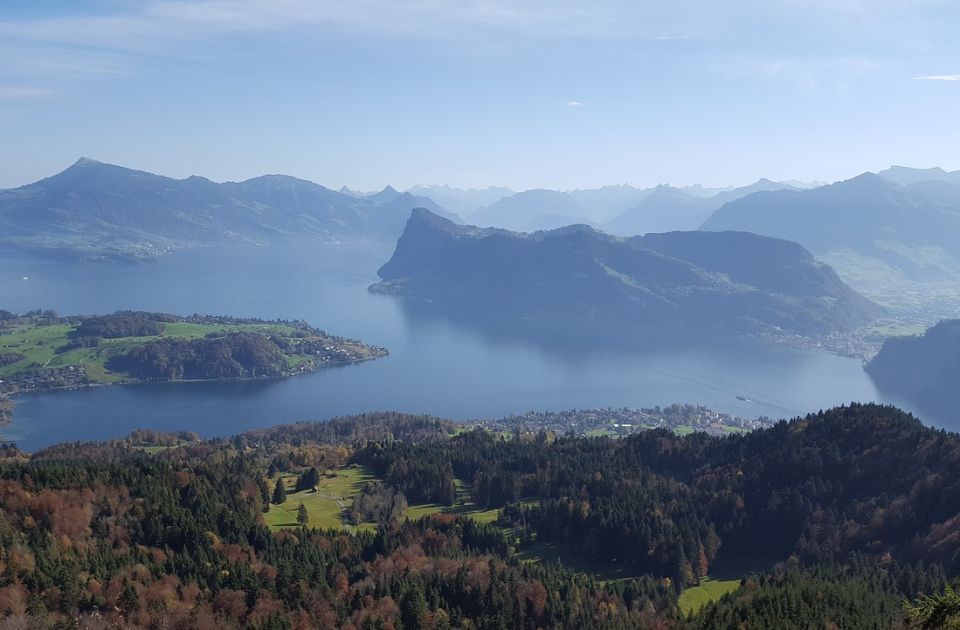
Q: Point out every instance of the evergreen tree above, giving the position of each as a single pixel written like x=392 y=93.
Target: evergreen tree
x=264 y=493
x=302 y=516
x=279 y=492
x=308 y=480
x=937 y=612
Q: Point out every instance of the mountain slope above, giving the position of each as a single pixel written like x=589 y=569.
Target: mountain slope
x=607 y=202
x=905 y=176
x=577 y=271
x=100 y=208
x=524 y=209
x=667 y=208
x=914 y=230
x=462 y=201
x=923 y=369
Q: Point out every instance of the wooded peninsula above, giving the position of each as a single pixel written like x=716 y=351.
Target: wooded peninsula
x=42 y=351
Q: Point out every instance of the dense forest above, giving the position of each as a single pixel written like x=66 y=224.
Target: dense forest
x=845 y=515
x=923 y=369
x=123 y=324
x=226 y=355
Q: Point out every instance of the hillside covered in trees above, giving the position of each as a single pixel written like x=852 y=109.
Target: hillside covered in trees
x=690 y=281
x=844 y=515
x=923 y=369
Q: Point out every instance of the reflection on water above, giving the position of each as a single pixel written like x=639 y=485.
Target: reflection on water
x=458 y=363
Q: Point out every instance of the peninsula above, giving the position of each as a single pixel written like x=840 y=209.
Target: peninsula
x=42 y=351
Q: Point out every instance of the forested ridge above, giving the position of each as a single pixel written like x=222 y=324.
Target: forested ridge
x=229 y=355
x=851 y=512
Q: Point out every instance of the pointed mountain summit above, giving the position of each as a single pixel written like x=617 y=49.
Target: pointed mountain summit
x=388 y=194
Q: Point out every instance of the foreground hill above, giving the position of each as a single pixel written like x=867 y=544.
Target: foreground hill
x=730 y=281
x=924 y=369
x=102 y=209
x=882 y=236
x=857 y=505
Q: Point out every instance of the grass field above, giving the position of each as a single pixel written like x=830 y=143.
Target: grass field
x=559 y=553
x=694 y=598
x=463 y=506
x=898 y=330
x=691 y=600
x=39 y=345
x=327 y=507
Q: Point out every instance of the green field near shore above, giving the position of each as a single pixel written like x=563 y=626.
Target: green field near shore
x=41 y=346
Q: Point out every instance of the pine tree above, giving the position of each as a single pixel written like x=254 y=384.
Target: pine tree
x=279 y=492
x=302 y=516
x=308 y=480
x=264 y=493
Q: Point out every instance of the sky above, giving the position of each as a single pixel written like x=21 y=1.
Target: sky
x=524 y=94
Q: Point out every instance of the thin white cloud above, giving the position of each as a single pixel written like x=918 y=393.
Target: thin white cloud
x=938 y=77
x=157 y=23
x=114 y=42
x=575 y=104
x=8 y=92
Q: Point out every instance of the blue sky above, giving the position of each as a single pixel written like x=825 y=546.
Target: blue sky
x=472 y=93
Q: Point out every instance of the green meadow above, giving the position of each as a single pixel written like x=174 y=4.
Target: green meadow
x=40 y=345
x=328 y=506
x=696 y=597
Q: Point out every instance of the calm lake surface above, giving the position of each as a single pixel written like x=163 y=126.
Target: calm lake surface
x=452 y=365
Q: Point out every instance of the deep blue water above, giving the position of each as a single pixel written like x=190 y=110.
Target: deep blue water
x=457 y=365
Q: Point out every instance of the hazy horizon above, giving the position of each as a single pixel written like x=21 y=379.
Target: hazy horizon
x=522 y=95
x=374 y=190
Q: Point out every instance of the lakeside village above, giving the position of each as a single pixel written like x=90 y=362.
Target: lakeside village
x=678 y=418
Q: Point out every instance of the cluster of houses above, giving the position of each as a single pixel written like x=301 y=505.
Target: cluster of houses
x=624 y=421
x=42 y=379
x=324 y=353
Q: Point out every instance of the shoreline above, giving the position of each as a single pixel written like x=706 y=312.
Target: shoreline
x=7 y=415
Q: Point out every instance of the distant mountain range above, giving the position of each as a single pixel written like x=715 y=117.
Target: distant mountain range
x=531 y=210
x=883 y=232
x=870 y=222
x=667 y=208
x=622 y=210
x=100 y=209
x=905 y=176
x=729 y=281
x=462 y=201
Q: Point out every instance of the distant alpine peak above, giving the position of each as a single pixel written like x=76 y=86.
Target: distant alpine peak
x=85 y=161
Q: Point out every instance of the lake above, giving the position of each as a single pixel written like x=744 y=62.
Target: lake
x=455 y=365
